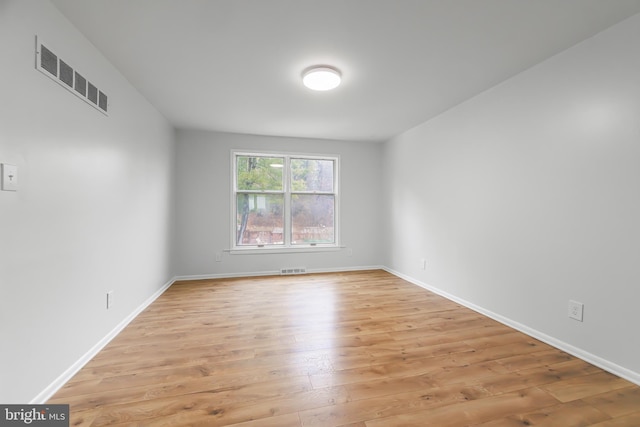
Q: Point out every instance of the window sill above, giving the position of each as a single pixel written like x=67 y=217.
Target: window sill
x=289 y=250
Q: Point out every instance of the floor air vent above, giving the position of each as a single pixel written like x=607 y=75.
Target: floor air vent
x=296 y=270
x=52 y=66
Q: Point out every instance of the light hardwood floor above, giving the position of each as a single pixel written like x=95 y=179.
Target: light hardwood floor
x=357 y=349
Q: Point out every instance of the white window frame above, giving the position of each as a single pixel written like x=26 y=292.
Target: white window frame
x=287 y=247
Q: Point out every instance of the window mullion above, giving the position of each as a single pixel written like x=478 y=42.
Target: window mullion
x=287 y=201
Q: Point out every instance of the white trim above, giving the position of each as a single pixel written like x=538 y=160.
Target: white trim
x=345 y=269
x=57 y=384
x=607 y=365
x=283 y=250
x=274 y=273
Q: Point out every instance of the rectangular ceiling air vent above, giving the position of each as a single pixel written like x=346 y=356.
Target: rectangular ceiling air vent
x=58 y=70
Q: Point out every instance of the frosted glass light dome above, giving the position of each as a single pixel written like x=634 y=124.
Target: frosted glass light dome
x=321 y=78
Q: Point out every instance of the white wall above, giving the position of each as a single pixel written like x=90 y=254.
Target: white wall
x=203 y=171
x=528 y=195
x=94 y=208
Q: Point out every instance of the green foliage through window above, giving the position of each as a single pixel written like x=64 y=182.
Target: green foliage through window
x=260 y=173
x=284 y=200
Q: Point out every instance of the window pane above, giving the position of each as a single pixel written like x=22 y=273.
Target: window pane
x=259 y=173
x=311 y=175
x=259 y=219
x=312 y=218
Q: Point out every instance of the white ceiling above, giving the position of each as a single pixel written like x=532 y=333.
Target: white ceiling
x=235 y=65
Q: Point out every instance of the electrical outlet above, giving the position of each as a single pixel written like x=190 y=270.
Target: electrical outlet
x=218 y=257
x=349 y=252
x=109 y=299
x=576 y=310
x=423 y=263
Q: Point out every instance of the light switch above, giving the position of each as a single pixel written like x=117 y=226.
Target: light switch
x=9 y=177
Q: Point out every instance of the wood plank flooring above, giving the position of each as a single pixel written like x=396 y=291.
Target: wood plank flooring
x=356 y=349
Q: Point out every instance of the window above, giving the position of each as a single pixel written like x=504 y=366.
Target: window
x=284 y=201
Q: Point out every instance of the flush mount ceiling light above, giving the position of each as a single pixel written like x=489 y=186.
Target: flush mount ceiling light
x=321 y=78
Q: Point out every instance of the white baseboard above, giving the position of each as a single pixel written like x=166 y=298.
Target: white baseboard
x=225 y=275
x=274 y=273
x=607 y=365
x=346 y=269
x=52 y=388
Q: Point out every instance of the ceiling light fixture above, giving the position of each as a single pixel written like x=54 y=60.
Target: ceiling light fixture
x=321 y=78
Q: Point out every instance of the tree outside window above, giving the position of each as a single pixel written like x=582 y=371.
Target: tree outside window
x=284 y=200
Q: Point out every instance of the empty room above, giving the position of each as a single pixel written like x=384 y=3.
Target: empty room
x=287 y=213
